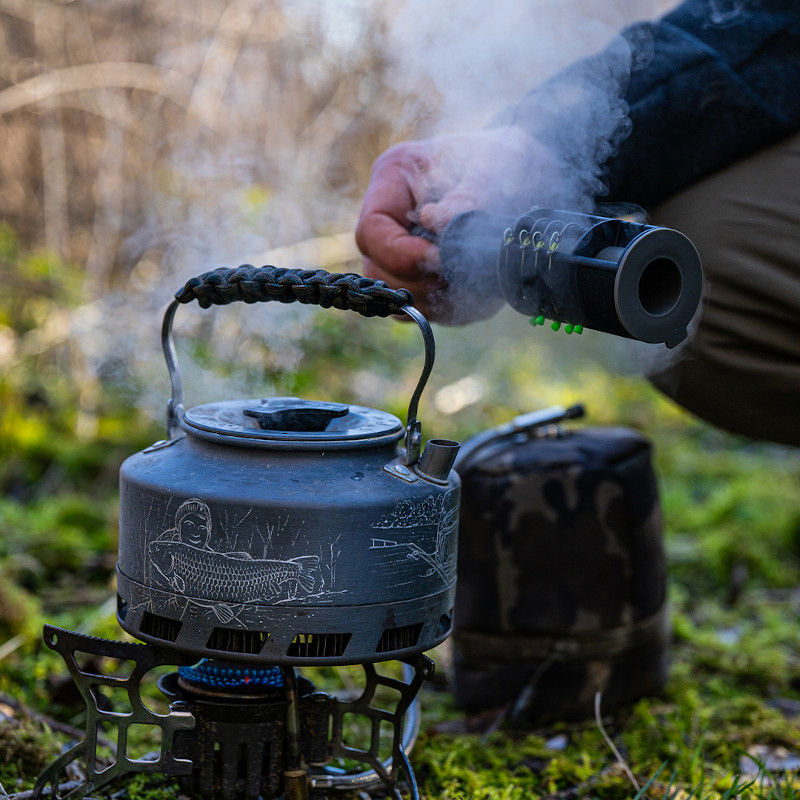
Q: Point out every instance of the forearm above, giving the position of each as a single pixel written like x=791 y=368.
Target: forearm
x=702 y=93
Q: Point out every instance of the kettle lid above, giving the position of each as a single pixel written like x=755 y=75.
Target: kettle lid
x=291 y=423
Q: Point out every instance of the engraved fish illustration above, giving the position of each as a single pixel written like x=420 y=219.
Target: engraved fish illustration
x=236 y=576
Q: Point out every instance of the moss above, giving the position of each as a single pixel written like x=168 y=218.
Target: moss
x=20 y=611
x=731 y=511
x=152 y=787
x=26 y=748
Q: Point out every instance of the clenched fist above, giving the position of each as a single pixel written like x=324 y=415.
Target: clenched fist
x=429 y=182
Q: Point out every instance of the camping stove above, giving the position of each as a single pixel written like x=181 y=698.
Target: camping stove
x=263 y=536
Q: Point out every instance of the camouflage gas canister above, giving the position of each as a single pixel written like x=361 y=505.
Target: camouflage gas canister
x=562 y=580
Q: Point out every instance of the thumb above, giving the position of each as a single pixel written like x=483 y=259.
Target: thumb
x=463 y=197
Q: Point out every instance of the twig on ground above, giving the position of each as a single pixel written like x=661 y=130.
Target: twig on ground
x=29 y=794
x=523 y=701
x=620 y=760
x=11 y=646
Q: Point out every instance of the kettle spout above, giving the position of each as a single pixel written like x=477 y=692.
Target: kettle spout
x=438 y=458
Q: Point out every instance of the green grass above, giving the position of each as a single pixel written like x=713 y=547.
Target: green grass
x=732 y=518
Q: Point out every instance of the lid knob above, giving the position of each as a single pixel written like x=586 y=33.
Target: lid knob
x=296 y=415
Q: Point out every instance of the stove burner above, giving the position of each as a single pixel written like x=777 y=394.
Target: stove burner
x=237 y=731
x=219 y=675
x=361 y=570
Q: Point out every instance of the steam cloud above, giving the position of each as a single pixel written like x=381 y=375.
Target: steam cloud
x=482 y=59
x=516 y=63
x=254 y=178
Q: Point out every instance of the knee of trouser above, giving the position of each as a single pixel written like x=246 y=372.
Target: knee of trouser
x=740 y=368
x=739 y=373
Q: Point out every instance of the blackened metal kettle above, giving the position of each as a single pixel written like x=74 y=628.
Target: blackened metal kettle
x=289 y=531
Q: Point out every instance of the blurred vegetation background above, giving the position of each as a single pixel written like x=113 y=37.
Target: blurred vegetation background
x=146 y=141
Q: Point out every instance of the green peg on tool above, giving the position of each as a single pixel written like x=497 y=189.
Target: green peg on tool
x=569 y=328
x=579 y=329
x=556 y=325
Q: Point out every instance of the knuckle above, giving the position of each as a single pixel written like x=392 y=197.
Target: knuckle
x=394 y=153
x=360 y=235
x=403 y=153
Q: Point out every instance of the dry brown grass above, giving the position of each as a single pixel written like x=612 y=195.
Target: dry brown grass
x=162 y=118
x=108 y=112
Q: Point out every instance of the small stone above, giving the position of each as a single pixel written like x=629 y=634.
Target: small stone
x=558 y=742
x=773 y=758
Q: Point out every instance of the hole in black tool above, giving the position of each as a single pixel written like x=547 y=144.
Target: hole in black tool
x=160 y=627
x=660 y=286
x=235 y=641
x=399 y=638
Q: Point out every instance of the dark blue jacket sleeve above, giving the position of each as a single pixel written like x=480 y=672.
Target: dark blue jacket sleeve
x=706 y=87
x=715 y=90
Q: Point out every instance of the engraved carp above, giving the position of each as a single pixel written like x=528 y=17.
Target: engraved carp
x=209 y=574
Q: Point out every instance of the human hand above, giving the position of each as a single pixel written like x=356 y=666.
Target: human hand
x=429 y=182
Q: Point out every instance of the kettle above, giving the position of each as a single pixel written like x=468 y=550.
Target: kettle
x=288 y=531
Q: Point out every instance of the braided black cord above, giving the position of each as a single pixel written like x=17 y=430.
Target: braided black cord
x=249 y=284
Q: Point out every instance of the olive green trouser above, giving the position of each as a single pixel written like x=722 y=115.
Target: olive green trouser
x=741 y=368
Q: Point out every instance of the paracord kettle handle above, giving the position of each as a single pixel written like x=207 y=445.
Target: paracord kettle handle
x=347 y=291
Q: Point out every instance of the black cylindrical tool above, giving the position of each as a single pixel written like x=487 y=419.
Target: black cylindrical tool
x=584 y=271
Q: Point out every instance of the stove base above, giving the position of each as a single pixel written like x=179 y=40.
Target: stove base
x=235 y=736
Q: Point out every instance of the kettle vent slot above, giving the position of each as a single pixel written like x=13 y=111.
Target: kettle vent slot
x=164 y=628
x=237 y=641
x=319 y=645
x=445 y=624
x=399 y=638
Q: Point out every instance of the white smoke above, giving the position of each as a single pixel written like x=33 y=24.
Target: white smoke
x=480 y=60
x=240 y=178
x=491 y=64
x=483 y=57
